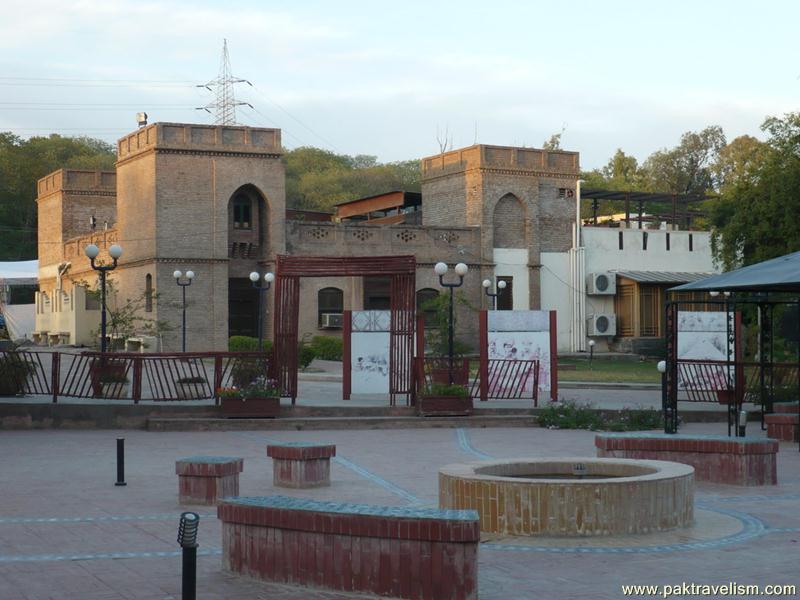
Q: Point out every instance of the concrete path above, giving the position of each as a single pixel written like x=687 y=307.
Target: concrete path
x=67 y=533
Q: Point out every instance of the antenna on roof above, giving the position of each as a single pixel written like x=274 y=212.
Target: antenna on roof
x=224 y=105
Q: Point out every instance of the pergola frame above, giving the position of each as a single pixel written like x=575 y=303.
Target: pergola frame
x=289 y=270
x=736 y=386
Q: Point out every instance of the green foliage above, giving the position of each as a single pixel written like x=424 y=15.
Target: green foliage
x=444 y=389
x=326 y=347
x=261 y=387
x=22 y=163
x=758 y=216
x=245 y=343
x=436 y=337
x=14 y=372
x=305 y=354
x=317 y=179
x=126 y=318
x=573 y=415
x=246 y=370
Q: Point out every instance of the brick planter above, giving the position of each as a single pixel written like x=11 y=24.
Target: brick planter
x=252 y=408
x=782 y=426
x=301 y=464
x=444 y=406
x=390 y=551
x=736 y=461
x=207 y=479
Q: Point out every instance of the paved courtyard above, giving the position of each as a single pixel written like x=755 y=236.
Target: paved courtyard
x=66 y=532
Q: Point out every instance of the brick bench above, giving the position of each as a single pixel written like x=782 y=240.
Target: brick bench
x=782 y=424
x=207 y=479
x=301 y=464
x=390 y=551
x=721 y=459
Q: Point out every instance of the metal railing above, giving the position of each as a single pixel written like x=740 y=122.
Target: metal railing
x=157 y=377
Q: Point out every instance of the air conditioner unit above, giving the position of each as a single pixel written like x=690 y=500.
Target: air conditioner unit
x=332 y=321
x=602 y=324
x=602 y=283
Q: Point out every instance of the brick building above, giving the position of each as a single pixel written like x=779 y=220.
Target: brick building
x=212 y=199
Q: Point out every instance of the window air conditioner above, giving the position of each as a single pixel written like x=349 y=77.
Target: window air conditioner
x=332 y=321
x=603 y=283
x=598 y=325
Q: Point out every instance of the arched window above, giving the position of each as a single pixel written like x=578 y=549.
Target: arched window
x=242 y=212
x=148 y=293
x=509 y=223
x=330 y=301
x=424 y=296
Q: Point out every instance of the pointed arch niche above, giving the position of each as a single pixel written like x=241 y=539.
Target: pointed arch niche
x=508 y=223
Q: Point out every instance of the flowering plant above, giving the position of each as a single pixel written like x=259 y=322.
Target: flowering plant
x=230 y=392
x=261 y=387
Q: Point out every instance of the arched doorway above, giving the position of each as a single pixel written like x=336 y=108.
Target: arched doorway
x=248 y=243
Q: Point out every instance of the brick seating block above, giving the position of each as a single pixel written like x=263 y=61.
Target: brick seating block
x=207 y=479
x=401 y=552
x=782 y=426
x=786 y=407
x=301 y=464
x=742 y=461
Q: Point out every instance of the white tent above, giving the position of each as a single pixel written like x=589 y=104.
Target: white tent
x=20 y=319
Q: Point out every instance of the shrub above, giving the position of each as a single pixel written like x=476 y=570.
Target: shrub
x=14 y=371
x=444 y=389
x=305 y=354
x=245 y=343
x=572 y=415
x=326 y=347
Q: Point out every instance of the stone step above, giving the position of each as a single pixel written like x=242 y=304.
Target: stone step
x=325 y=423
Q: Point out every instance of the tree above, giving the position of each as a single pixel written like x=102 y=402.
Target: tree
x=686 y=169
x=22 y=163
x=758 y=215
x=553 y=142
x=318 y=179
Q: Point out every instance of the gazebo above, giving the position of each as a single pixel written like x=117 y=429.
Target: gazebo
x=753 y=293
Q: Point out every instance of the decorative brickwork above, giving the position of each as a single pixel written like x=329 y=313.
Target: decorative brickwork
x=207 y=479
x=736 y=461
x=782 y=426
x=301 y=464
x=389 y=551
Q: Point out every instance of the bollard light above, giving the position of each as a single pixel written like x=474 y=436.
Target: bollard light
x=742 y=423
x=187 y=529
x=187 y=538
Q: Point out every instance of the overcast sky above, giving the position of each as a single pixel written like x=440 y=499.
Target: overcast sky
x=381 y=77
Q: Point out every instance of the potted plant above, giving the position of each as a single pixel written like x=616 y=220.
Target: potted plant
x=261 y=398
x=441 y=399
x=191 y=388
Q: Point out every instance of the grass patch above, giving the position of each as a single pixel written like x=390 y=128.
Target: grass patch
x=609 y=370
x=572 y=415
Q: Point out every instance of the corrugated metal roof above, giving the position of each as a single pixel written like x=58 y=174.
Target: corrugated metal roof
x=780 y=274
x=663 y=276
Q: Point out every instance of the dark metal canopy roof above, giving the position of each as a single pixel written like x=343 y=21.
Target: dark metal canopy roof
x=662 y=276
x=780 y=274
x=598 y=194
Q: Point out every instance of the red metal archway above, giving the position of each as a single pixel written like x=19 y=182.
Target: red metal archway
x=289 y=270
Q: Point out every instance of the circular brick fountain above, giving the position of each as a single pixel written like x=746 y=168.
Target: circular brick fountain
x=572 y=496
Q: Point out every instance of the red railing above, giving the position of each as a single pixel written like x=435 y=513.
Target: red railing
x=155 y=377
x=506 y=379
x=706 y=380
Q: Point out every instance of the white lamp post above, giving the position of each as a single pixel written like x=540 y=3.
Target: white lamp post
x=184 y=284
x=441 y=269
x=92 y=251
x=262 y=289
x=501 y=285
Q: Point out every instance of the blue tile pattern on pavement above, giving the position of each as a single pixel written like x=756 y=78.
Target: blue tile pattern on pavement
x=466 y=445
